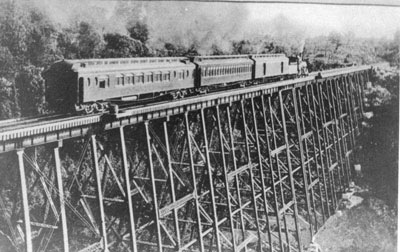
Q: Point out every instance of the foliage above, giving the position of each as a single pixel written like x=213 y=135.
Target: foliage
x=30 y=86
x=121 y=46
x=8 y=100
x=139 y=31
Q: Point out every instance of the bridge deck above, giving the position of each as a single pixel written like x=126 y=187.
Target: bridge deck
x=16 y=134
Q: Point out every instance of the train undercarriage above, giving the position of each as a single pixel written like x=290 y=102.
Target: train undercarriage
x=113 y=105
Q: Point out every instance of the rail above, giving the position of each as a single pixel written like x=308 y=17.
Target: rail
x=24 y=134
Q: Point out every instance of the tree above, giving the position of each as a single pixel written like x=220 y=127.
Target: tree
x=120 y=46
x=8 y=100
x=31 y=87
x=336 y=40
x=41 y=42
x=13 y=30
x=172 y=50
x=242 y=47
x=7 y=63
x=66 y=46
x=139 y=31
x=89 y=41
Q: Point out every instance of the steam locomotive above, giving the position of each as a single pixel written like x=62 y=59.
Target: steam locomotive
x=92 y=85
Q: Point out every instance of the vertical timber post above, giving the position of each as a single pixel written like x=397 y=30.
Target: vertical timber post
x=226 y=180
x=326 y=143
x=211 y=181
x=232 y=147
x=317 y=150
x=172 y=186
x=269 y=149
x=25 y=203
x=290 y=171
x=262 y=178
x=302 y=154
x=193 y=173
x=61 y=196
x=249 y=162
x=99 y=192
x=153 y=188
x=125 y=167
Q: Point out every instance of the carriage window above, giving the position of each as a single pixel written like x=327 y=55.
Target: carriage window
x=174 y=74
x=167 y=76
x=120 y=80
x=96 y=81
x=140 y=78
x=265 y=68
x=281 y=67
x=88 y=82
x=187 y=73
x=102 y=83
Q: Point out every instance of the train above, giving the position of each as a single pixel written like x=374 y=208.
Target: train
x=97 y=85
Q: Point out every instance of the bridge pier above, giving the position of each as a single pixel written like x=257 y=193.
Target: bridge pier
x=258 y=171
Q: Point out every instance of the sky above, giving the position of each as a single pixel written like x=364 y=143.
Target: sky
x=364 y=21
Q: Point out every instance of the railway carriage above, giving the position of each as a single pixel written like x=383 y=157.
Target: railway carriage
x=88 y=84
x=270 y=65
x=213 y=70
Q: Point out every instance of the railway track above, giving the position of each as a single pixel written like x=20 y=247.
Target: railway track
x=23 y=127
x=24 y=121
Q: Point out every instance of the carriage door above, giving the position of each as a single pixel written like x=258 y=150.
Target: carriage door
x=80 y=90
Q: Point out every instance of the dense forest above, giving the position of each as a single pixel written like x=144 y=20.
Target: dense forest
x=30 y=40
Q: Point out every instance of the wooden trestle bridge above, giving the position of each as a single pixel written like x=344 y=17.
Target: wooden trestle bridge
x=260 y=168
